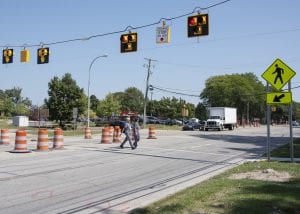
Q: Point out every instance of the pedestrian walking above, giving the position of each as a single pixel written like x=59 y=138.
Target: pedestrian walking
x=136 y=132
x=127 y=132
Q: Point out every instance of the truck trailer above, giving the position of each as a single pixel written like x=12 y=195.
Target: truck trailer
x=221 y=118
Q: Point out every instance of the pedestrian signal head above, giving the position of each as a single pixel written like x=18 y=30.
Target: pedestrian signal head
x=43 y=55
x=198 y=25
x=128 y=42
x=7 y=56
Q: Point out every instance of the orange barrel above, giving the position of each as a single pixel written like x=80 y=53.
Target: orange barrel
x=152 y=133
x=58 y=139
x=106 y=135
x=43 y=142
x=111 y=131
x=20 y=142
x=117 y=135
x=4 y=137
x=87 y=133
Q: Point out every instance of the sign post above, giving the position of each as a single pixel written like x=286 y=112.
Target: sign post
x=278 y=74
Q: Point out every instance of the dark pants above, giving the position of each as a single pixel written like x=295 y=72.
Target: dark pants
x=127 y=138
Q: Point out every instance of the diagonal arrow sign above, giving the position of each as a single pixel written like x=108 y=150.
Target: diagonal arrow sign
x=278 y=98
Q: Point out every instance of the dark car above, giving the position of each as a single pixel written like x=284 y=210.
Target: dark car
x=191 y=126
x=152 y=120
x=173 y=122
x=119 y=123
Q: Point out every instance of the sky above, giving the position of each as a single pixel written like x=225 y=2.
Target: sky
x=244 y=36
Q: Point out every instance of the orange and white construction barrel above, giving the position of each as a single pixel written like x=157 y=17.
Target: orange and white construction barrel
x=87 y=133
x=117 y=135
x=43 y=141
x=4 y=140
x=20 y=142
x=106 y=135
x=152 y=133
x=58 y=139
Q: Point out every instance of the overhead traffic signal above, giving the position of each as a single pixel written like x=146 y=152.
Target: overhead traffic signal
x=7 y=56
x=128 y=42
x=198 y=25
x=43 y=55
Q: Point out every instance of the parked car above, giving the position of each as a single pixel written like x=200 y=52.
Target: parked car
x=191 y=126
x=295 y=123
x=173 y=122
x=152 y=120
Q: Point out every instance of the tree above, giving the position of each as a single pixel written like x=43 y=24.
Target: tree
x=64 y=95
x=6 y=104
x=132 y=99
x=201 y=111
x=94 y=103
x=20 y=105
x=109 y=106
x=169 y=108
x=243 y=91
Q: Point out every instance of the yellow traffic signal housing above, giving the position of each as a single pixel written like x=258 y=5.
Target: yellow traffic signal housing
x=198 y=25
x=43 y=55
x=24 y=56
x=7 y=56
x=128 y=42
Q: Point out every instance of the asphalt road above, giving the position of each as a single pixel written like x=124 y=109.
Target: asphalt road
x=90 y=177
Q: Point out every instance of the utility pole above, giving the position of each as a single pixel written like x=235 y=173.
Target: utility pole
x=148 y=66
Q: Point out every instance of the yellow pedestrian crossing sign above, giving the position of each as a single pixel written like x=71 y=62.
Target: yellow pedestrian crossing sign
x=279 y=98
x=278 y=74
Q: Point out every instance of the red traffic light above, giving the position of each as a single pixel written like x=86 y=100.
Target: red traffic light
x=192 y=21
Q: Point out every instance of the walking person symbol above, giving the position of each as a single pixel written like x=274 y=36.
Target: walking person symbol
x=278 y=71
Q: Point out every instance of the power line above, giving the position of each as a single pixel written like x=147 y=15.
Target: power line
x=197 y=9
x=193 y=95
x=174 y=92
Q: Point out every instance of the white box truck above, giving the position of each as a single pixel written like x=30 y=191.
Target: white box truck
x=221 y=118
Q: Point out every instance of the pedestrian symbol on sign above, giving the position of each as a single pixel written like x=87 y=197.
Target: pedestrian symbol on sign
x=278 y=71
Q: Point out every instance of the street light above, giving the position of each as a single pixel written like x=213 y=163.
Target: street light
x=89 y=100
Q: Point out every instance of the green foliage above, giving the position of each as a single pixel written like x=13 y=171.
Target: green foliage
x=296 y=111
x=64 y=95
x=110 y=105
x=223 y=194
x=169 y=108
x=201 y=111
x=94 y=103
x=242 y=91
x=132 y=99
x=12 y=102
